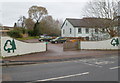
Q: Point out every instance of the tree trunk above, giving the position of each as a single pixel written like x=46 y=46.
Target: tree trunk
x=36 y=29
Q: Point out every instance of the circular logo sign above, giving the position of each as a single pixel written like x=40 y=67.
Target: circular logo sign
x=115 y=42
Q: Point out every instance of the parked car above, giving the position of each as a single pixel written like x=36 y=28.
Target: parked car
x=58 y=40
x=45 y=38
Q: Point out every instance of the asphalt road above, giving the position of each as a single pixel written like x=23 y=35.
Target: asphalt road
x=96 y=69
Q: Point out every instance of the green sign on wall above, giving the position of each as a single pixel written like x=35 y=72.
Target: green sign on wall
x=115 y=42
x=10 y=45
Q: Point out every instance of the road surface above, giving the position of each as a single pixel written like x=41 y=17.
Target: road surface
x=96 y=69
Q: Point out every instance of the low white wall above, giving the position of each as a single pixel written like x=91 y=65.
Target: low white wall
x=103 y=45
x=21 y=47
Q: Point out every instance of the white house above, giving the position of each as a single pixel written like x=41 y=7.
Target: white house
x=86 y=28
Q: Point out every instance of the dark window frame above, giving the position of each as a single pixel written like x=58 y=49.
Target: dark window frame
x=96 y=31
x=86 y=30
x=79 y=30
x=70 y=30
x=103 y=30
x=63 y=31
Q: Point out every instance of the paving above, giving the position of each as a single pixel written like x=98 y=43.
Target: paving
x=55 y=53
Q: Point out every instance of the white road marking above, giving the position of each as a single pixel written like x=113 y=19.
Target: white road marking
x=104 y=62
x=114 y=57
x=115 y=67
x=64 y=77
x=89 y=64
x=92 y=65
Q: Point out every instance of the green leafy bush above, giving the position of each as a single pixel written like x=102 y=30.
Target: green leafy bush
x=27 y=38
x=30 y=32
x=15 y=34
x=22 y=30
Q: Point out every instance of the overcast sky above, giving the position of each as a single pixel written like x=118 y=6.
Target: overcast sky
x=11 y=10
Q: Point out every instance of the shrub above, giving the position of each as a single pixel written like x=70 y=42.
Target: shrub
x=30 y=32
x=15 y=34
x=22 y=30
x=53 y=34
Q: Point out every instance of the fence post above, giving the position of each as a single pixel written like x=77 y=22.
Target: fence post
x=79 y=45
x=46 y=46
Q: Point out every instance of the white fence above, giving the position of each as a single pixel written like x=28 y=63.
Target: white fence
x=12 y=47
x=111 y=44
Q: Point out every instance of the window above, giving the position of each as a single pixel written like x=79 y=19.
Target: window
x=70 y=30
x=96 y=31
x=63 y=31
x=79 y=30
x=87 y=30
x=103 y=30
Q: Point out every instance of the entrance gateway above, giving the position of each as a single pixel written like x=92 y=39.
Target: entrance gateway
x=73 y=44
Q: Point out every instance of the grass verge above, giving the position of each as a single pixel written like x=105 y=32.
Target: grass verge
x=26 y=38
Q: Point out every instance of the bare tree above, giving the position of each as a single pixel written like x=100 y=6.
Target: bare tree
x=102 y=9
x=106 y=9
x=29 y=23
x=50 y=26
x=1 y=27
x=36 y=13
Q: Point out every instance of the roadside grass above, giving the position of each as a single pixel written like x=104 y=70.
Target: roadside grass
x=1 y=57
x=27 y=38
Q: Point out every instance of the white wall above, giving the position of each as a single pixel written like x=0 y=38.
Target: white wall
x=22 y=47
x=67 y=30
x=106 y=44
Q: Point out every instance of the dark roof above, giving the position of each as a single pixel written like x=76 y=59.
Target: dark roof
x=7 y=27
x=90 y=22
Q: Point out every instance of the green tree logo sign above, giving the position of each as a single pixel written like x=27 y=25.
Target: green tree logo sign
x=115 y=42
x=10 y=45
